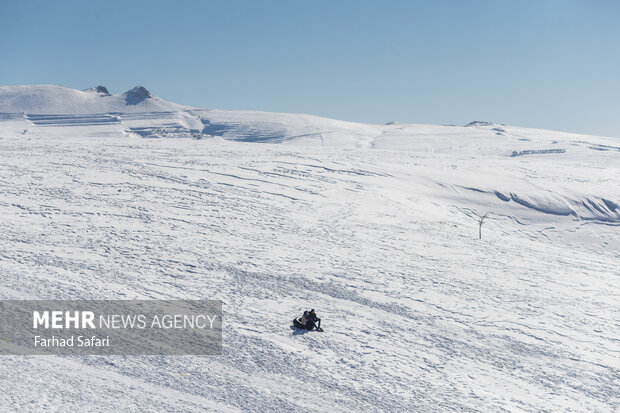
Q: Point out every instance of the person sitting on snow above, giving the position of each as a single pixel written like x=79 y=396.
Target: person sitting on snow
x=314 y=318
x=312 y=321
x=305 y=318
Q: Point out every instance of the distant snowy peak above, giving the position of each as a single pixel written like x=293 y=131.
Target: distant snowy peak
x=54 y=99
x=101 y=90
x=479 y=123
x=137 y=95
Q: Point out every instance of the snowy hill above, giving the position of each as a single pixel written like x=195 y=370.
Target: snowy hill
x=375 y=226
x=52 y=99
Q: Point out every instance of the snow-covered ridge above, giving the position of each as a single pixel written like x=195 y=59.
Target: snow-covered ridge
x=54 y=99
x=102 y=90
x=139 y=112
x=59 y=111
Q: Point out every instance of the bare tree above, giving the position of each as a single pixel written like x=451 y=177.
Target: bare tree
x=481 y=219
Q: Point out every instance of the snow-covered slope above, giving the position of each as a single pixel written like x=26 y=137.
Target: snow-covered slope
x=375 y=226
x=53 y=99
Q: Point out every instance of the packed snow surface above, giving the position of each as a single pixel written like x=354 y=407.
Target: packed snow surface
x=129 y=196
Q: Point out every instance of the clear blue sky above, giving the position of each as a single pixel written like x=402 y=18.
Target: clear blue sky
x=549 y=64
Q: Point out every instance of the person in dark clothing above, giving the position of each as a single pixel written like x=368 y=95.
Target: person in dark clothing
x=312 y=315
x=313 y=320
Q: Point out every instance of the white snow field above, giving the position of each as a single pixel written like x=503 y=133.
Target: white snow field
x=132 y=197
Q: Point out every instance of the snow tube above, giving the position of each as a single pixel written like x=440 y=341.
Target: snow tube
x=297 y=323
